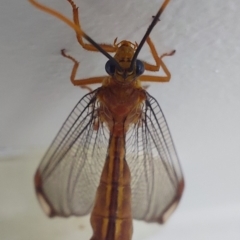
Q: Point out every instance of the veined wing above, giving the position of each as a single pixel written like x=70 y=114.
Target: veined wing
x=157 y=180
x=68 y=176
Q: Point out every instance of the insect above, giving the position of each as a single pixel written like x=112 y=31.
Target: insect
x=114 y=156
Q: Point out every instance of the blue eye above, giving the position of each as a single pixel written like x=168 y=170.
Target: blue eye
x=110 y=67
x=139 y=67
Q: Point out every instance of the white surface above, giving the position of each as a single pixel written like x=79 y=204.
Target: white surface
x=201 y=104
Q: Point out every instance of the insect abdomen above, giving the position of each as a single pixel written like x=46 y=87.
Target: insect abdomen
x=111 y=217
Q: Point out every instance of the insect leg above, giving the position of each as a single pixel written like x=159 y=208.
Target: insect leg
x=74 y=25
x=159 y=62
x=87 y=46
x=156 y=67
x=80 y=82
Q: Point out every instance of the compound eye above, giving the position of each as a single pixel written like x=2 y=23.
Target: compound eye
x=110 y=67
x=139 y=67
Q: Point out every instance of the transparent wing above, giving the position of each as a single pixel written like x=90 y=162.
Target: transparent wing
x=157 y=180
x=68 y=176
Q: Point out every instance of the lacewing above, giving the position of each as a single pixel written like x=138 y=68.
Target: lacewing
x=114 y=156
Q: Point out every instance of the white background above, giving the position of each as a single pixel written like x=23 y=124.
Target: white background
x=201 y=104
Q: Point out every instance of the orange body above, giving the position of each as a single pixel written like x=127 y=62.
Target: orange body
x=114 y=156
x=111 y=217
